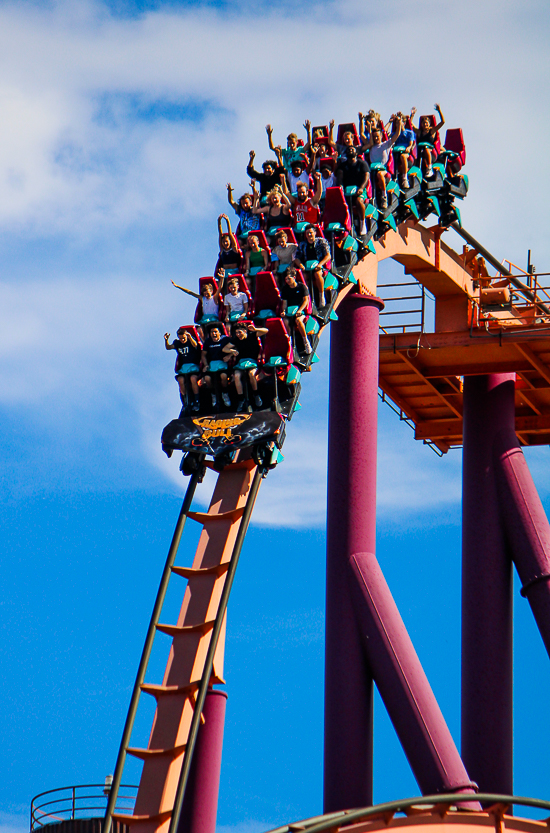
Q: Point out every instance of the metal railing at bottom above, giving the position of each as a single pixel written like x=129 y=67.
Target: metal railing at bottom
x=441 y=805
x=404 y=418
x=82 y=801
x=412 y=306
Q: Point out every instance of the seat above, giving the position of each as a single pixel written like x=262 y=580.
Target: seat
x=336 y=216
x=193 y=331
x=267 y=298
x=348 y=127
x=277 y=350
x=455 y=149
x=202 y=282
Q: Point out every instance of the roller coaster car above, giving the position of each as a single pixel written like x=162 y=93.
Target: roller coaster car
x=220 y=435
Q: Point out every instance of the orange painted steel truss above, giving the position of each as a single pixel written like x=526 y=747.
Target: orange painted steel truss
x=421 y=373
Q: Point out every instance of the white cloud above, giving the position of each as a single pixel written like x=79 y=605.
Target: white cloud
x=65 y=168
x=78 y=157
x=14 y=823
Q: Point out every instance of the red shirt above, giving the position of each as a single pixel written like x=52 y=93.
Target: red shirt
x=305 y=212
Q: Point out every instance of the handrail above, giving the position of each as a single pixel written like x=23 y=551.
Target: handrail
x=524 y=289
x=148 y=646
x=67 y=803
x=318 y=824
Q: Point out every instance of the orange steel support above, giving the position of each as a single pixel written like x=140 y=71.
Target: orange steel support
x=421 y=371
x=164 y=755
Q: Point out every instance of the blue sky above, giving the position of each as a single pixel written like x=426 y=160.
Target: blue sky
x=120 y=125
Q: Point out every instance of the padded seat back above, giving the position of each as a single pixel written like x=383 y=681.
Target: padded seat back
x=348 y=127
x=277 y=341
x=267 y=294
x=260 y=234
x=193 y=331
x=291 y=237
x=433 y=123
x=454 y=141
x=336 y=208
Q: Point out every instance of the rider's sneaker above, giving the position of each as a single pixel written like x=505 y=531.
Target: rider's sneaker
x=226 y=400
x=195 y=406
x=258 y=401
x=214 y=400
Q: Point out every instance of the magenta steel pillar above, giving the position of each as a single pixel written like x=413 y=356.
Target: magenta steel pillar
x=486 y=588
x=200 y=805
x=403 y=685
x=351 y=528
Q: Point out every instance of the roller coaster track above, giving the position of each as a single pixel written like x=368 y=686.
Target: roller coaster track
x=195 y=662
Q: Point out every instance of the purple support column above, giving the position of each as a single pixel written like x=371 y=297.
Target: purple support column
x=527 y=528
x=403 y=685
x=351 y=528
x=200 y=805
x=486 y=589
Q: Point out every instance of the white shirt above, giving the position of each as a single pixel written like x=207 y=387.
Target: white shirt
x=209 y=306
x=236 y=302
x=380 y=153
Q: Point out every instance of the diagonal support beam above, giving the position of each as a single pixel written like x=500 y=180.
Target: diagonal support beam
x=403 y=685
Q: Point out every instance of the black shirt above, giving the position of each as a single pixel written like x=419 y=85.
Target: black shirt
x=294 y=295
x=214 y=349
x=228 y=259
x=353 y=174
x=266 y=182
x=248 y=348
x=186 y=353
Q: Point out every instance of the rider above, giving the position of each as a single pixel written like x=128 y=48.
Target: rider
x=245 y=348
x=295 y=297
x=355 y=172
x=315 y=249
x=187 y=363
x=212 y=361
x=426 y=136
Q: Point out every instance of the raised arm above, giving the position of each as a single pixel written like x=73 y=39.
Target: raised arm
x=279 y=156
x=318 y=179
x=246 y=262
x=269 y=131
x=362 y=134
x=188 y=291
x=167 y=342
x=331 y=134
x=396 y=122
x=311 y=164
x=250 y=167
x=256 y=207
x=230 y=231
x=413 y=128
x=307 y=125
x=230 y=199
x=220 y=231
x=442 y=120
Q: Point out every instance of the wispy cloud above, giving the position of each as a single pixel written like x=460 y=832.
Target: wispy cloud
x=14 y=823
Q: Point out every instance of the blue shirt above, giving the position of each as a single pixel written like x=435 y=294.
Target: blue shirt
x=405 y=138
